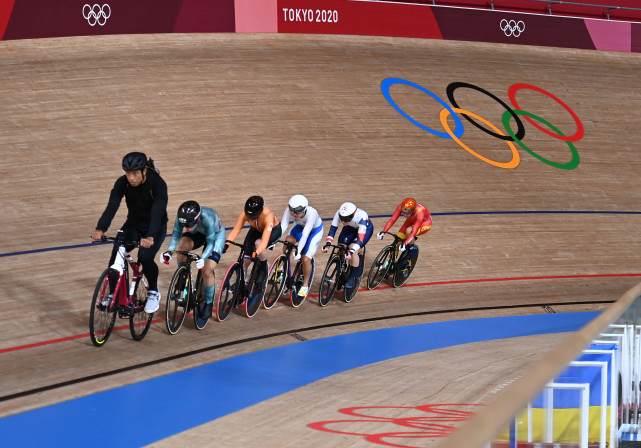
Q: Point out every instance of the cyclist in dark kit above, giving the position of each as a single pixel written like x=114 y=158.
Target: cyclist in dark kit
x=145 y=194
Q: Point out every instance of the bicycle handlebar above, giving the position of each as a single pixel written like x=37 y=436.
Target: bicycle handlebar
x=242 y=246
x=290 y=245
x=105 y=238
x=191 y=255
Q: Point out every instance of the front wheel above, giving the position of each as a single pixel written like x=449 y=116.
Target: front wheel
x=177 y=300
x=229 y=289
x=299 y=281
x=329 y=281
x=350 y=293
x=199 y=303
x=275 y=281
x=139 y=321
x=380 y=267
x=104 y=306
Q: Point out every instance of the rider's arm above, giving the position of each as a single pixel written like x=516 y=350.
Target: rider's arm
x=332 y=229
x=175 y=236
x=269 y=222
x=312 y=217
x=214 y=232
x=422 y=215
x=242 y=218
x=362 y=230
x=159 y=206
x=393 y=219
x=284 y=223
x=115 y=197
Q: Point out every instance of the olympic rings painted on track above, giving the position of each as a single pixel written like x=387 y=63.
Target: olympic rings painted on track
x=511 y=112
x=431 y=421
x=516 y=159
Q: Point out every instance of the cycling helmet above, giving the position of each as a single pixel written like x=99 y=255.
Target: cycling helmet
x=298 y=204
x=134 y=161
x=189 y=213
x=346 y=212
x=254 y=207
x=408 y=204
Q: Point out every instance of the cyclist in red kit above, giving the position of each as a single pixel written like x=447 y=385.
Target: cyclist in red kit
x=416 y=215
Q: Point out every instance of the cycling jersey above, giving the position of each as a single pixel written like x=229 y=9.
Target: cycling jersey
x=210 y=225
x=265 y=223
x=420 y=220
x=360 y=222
x=311 y=223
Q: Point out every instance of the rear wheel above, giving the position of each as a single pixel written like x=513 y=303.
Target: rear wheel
x=275 y=281
x=139 y=321
x=177 y=297
x=256 y=292
x=402 y=274
x=229 y=288
x=299 y=281
x=329 y=281
x=380 y=267
x=104 y=306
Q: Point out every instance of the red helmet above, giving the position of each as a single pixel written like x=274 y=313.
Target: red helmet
x=409 y=204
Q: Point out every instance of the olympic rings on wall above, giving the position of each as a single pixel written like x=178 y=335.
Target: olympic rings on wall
x=487 y=127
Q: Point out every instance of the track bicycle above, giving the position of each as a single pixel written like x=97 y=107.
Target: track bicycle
x=337 y=273
x=235 y=289
x=281 y=280
x=115 y=296
x=392 y=262
x=184 y=295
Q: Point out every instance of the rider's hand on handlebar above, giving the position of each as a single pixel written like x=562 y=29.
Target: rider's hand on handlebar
x=147 y=242
x=96 y=235
x=225 y=247
x=200 y=263
x=381 y=235
x=297 y=256
x=401 y=248
x=254 y=257
x=165 y=257
x=325 y=247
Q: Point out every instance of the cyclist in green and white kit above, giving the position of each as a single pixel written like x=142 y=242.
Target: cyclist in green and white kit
x=202 y=226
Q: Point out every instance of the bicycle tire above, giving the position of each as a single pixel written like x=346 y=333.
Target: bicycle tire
x=228 y=290
x=176 y=302
x=101 y=318
x=275 y=281
x=329 y=281
x=294 y=299
x=401 y=276
x=198 y=302
x=139 y=320
x=350 y=293
x=256 y=294
x=380 y=267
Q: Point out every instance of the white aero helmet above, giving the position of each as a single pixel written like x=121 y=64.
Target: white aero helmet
x=346 y=212
x=298 y=204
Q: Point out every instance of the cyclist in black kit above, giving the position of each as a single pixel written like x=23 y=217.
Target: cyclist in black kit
x=145 y=194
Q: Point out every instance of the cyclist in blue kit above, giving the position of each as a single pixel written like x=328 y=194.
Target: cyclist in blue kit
x=357 y=230
x=202 y=227
x=307 y=230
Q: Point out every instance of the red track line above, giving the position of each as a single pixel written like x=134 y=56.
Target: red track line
x=449 y=282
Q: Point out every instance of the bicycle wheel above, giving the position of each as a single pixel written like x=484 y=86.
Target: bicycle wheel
x=229 y=288
x=380 y=267
x=102 y=317
x=199 y=302
x=350 y=293
x=403 y=274
x=256 y=293
x=299 y=281
x=275 y=281
x=139 y=321
x=329 y=280
x=176 y=304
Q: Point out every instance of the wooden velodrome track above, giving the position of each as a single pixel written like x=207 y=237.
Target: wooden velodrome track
x=228 y=116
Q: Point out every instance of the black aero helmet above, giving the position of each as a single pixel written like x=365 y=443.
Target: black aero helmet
x=254 y=206
x=134 y=161
x=189 y=213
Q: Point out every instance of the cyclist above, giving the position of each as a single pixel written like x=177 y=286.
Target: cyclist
x=202 y=227
x=145 y=194
x=417 y=216
x=357 y=230
x=307 y=231
x=264 y=230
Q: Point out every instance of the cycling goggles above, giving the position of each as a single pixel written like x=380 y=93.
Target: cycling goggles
x=298 y=210
x=188 y=224
x=406 y=211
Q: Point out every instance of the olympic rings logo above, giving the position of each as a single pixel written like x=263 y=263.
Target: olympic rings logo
x=428 y=421
x=96 y=14
x=510 y=113
x=512 y=27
